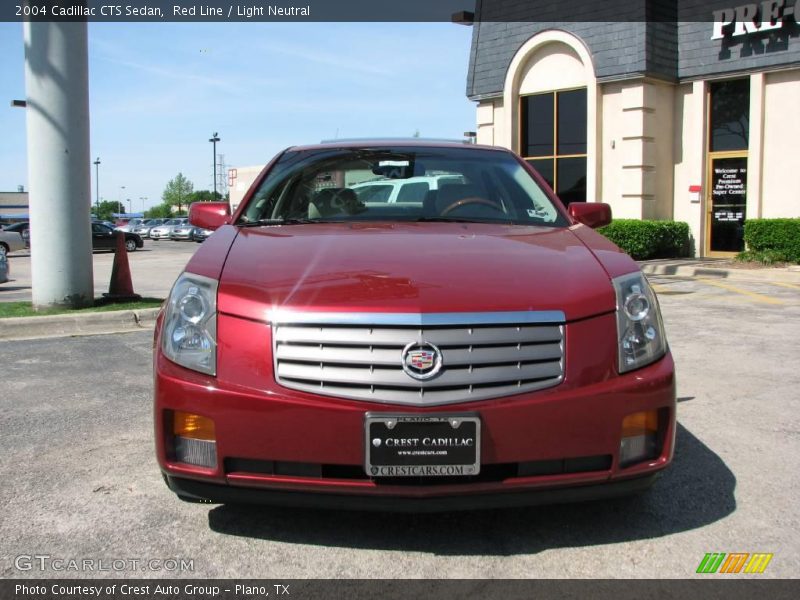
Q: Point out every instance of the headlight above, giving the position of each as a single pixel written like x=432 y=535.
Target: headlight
x=640 y=330
x=189 y=335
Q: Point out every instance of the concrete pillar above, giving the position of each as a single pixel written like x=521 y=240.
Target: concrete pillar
x=755 y=154
x=485 y=122
x=638 y=150
x=59 y=172
x=690 y=160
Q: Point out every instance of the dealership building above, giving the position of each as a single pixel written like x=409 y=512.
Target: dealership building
x=691 y=113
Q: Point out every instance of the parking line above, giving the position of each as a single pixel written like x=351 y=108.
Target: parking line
x=730 y=288
x=786 y=285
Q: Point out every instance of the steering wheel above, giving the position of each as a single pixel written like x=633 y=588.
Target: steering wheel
x=472 y=200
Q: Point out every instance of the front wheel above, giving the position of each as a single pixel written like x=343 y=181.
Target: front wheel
x=130 y=245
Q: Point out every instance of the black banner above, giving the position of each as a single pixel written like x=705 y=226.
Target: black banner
x=463 y=11
x=710 y=587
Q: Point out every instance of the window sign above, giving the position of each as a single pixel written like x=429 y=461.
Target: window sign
x=729 y=203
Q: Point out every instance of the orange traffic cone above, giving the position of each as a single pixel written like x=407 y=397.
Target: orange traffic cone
x=121 y=287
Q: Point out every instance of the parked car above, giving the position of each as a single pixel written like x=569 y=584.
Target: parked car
x=200 y=235
x=11 y=241
x=182 y=232
x=24 y=229
x=105 y=238
x=143 y=228
x=162 y=232
x=485 y=347
x=128 y=224
x=412 y=190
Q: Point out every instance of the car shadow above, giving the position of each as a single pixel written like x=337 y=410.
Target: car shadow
x=698 y=489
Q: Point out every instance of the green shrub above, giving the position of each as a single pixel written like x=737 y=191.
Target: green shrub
x=649 y=239
x=777 y=235
x=765 y=257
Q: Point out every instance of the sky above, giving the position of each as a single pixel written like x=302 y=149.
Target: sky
x=159 y=91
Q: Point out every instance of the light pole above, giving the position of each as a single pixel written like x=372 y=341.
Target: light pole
x=214 y=139
x=97 y=186
x=143 y=198
x=121 y=194
x=130 y=206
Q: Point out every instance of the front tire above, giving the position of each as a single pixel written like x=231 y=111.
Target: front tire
x=130 y=245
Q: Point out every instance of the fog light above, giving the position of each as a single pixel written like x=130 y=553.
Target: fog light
x=639 y=438
x=195 y=440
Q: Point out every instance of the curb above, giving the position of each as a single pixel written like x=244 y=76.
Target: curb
x=90 y=323
x=780 y=275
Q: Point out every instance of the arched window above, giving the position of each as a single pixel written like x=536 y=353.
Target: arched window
x=551 y=95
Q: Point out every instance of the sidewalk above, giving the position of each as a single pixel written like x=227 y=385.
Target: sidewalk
x=154 y=269
x=720 y=268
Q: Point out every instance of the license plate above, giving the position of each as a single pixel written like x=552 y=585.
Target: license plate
x=441 y=445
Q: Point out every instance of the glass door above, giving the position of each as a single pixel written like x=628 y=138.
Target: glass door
x=727 y=203
x=726 y=189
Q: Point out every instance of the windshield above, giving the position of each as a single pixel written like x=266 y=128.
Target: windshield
x=400 y=184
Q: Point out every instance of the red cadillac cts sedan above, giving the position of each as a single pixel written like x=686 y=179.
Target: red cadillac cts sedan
x=407 y=325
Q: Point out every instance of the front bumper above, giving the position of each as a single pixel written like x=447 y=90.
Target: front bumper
x=192 y=490
x=276 y=445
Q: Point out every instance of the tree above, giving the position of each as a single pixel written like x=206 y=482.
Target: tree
x=177 y=192
x=160 y=211
x=106 y=208
x=201 y=196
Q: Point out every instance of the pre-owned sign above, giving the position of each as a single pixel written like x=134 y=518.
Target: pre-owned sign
x=754 y=18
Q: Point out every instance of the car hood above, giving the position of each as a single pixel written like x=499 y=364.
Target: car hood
x=414 y=267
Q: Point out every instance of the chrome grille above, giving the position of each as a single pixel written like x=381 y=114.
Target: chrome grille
x=358 y=356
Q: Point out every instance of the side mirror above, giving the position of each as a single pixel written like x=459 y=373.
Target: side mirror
x=209 y=215
x=591 y=214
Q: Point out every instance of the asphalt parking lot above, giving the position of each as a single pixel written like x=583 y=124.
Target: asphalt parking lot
x=81 y=481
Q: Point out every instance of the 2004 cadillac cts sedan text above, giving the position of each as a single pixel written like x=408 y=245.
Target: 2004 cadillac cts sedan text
x=466 y=346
